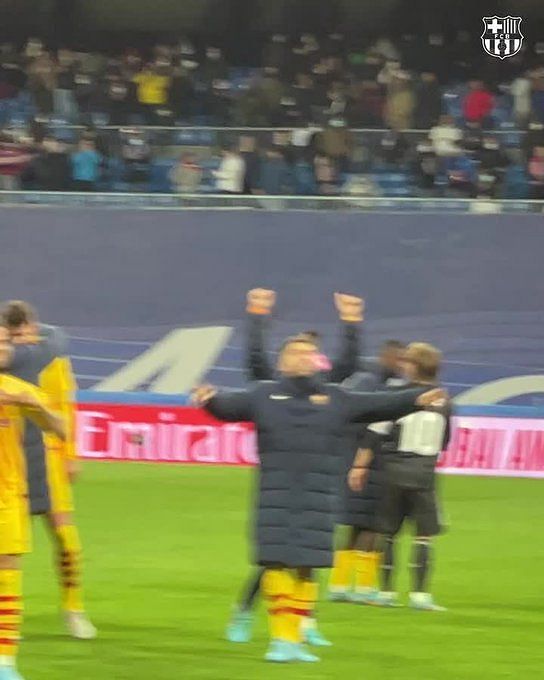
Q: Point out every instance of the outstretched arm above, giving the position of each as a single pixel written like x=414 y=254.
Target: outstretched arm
x=260 y=303
x=33 y=405
x=231 y=407
x=374 y=406
x=351 y=312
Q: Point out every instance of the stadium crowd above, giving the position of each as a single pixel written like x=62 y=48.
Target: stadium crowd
x=481 y=130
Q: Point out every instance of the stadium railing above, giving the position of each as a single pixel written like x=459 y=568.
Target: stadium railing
x=158 y=201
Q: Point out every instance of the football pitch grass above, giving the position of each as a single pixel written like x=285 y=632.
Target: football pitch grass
x=165 y=552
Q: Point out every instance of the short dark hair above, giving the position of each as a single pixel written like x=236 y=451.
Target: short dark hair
x=392 y=344
x=16 y=313
x=292 y=339
x=313 y=335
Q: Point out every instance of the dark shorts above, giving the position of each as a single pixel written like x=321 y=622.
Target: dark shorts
x=418 y=505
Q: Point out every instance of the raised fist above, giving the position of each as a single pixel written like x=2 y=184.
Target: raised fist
x=350 y=308
x=201 y=395
x=261 y=301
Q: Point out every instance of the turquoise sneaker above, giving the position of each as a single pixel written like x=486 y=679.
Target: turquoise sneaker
x=300 y=653
x=383 y=599
x=367 y=596
x=280 y=652
x=425 y=602
x=9 y=673
x=338 y=596
x=239 y=627
x=314 y=638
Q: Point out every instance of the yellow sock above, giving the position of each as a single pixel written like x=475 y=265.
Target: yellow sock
x=11 y=612
x=341 y=576
x=302 y=606
x=69 y=568
x=367 y=568
x=378 y=557
x=278 y=587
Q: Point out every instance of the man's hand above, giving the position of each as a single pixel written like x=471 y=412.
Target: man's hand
x=261 y=301
x=357 y=478
x=350 y=308
x=436 y=397
x=73 y=468
x=202 y=395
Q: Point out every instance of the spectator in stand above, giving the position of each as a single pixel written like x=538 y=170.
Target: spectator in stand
x=152 y=92
x=473 y=139
x=537 y=96
x=86 y=166
x=337 y=100
x=65 y=104
x=85 y=89
x=428 y=101
x=305 y=96
x=533 y=138
x=478 y=104
x=326 y=175
x=276 y=52
x=186 y=175
x=252 y=162
x=389 y=71
x=12 y=76
x=393 y=148
x=50 y=170
x=493 y=164
x=231 y=173
x=136 y=153
x=427 y=167
x=182 y=93
x=335 y=142
x=445 y=137
x=272 y=91
x=365 y=107
x=42 y=82
x=520 y=90
x=214 y=67
x=461 y=174
x=536 y=173
x=119 y=96
x=400 y=102
x=275 y=177
x=14 y=158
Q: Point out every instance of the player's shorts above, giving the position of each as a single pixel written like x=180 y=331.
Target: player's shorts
x=15 y=527
x=418 y=505
x=60 y=489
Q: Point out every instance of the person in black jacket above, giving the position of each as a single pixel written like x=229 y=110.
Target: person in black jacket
x=409 y=448
x=299 y=420
x=260 y=303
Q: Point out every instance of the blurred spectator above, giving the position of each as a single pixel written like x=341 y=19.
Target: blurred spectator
x=400 y=102
x=275 y=177
x=393 y=148
x=365 y=108
x=271 y=93
x=65 y=104
x=360 y=185
x=536 y=173
x=385 y=48
x=533 y=138
x=231 y=172
x=119 y=97
x=14 y=158
x=152 y=92
x=252 y=163
x=214 y=67
x=388 y=73
x=520 y=90
x=478 y=104
x=427 y=167
x=428 y=102
x=537 y=97
x=276 y=52
x=86 y=164
x=42 y=81
x=186 y=175
x=445 y=137
x=493 y=163
x=305 y=97
x=85 y=89
x=283 y=141
x=326 y=175
x=335 y=142
x=50 y=170
x=473 y=139
x=461 y=175
x=516 y=185
x=182 y=93
x=136 y=153
x=337 y=99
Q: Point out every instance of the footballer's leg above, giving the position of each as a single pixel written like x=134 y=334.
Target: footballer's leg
x=302 y=607
x=392 y=514
x=14 y=542
x=240 y=624
x=367 y=566
x=310 y=632
x=341 y=576
x=66 y=538
x=427 y=523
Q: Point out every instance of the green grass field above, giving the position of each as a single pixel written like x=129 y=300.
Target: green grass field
x=166 y=552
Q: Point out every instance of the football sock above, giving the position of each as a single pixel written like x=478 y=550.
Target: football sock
x=388 y=564
x=278 y=588
x=69 y=567
x=421 y=564
x=251 y=590
x=342 y=572
x=11 y=613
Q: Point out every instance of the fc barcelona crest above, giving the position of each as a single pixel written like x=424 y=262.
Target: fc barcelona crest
x=502 y=36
